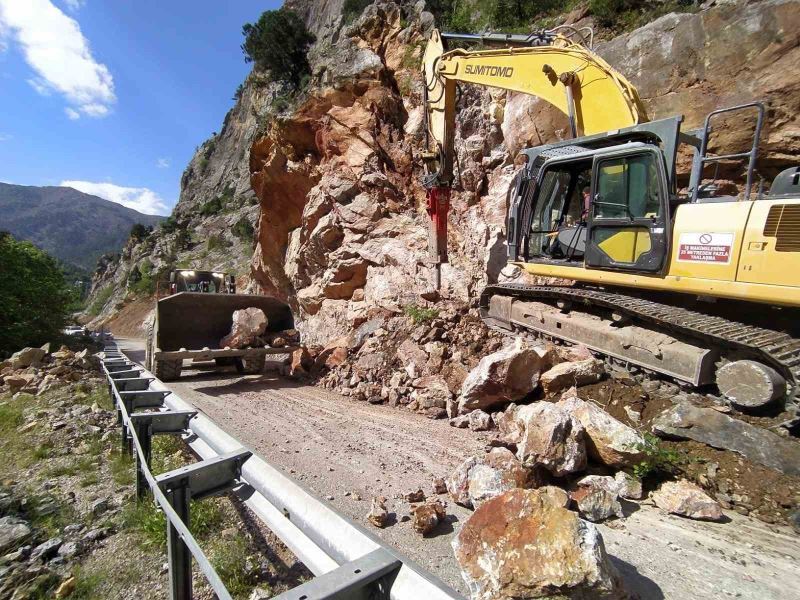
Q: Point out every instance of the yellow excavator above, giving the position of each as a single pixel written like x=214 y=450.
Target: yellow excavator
x=700 y=287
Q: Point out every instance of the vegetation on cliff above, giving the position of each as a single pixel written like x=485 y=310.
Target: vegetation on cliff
x=278 y=42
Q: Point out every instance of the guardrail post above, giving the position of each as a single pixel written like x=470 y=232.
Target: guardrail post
x=144 y=432
x=179 y=557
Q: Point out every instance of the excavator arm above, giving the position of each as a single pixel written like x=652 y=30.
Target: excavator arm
x=568 y=75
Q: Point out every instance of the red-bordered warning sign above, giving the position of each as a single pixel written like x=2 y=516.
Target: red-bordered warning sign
x=705 y=247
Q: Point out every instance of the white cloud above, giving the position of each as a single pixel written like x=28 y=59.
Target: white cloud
x=142 y=199
x=72 y=114
x=163 y=163
x=75 y=5
x=57 y=51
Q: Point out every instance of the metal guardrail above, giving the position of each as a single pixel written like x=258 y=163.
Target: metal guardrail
x=348 y=562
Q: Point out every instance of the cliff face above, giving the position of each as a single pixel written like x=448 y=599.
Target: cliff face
x=332 y=186
x=342 y=230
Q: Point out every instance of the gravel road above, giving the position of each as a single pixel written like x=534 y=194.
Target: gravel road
x=345 y=450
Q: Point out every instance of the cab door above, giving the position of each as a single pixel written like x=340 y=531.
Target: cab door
x=628 y=227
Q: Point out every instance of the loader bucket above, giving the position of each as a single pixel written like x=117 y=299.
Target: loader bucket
x=195 y=321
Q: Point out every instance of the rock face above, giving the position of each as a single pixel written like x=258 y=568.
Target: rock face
x=711 y=427
x=524 y=544
x=687 y=500
x=552 y=438
x=608 y=440
x=479 y=479
x=248 y=324
x=13 y=531
x=505 y=376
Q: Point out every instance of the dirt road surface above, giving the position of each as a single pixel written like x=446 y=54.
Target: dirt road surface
x=344 y=450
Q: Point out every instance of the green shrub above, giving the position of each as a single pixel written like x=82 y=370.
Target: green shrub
x=100 y=300
x=212 y=207
x=169 y=225
x=658 y=459
x=278 y=42
x=419 y=314
x=140 y=232
x=244 y=230
x=217 y=242
x=34 y=297
x=354 y=8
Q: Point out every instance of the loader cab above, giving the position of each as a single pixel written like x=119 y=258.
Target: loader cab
x=603 y=208
x=203 y=282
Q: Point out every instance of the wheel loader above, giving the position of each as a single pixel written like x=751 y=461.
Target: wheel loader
x=693 y=284
x=191 y=320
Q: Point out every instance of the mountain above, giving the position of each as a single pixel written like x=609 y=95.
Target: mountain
x=74 y=227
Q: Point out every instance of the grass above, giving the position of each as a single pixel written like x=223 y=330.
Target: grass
x=420 y=314
x=87 y=583
x=230 y=560
x=121 y=467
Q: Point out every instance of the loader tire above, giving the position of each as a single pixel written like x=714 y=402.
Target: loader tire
x=167 y=370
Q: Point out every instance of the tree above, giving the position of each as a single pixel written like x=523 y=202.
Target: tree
x=278 y=42
x=34 y=298
x=139 y=231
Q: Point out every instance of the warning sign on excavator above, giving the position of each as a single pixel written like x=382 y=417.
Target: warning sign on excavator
x=705 y=247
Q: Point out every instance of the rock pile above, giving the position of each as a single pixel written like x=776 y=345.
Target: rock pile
x=36 y=370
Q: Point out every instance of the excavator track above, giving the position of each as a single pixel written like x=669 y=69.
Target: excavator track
x=774 y=348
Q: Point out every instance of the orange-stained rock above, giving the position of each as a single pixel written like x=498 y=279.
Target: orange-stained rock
x=480 y=478
x=687 y=500
x=525 y=544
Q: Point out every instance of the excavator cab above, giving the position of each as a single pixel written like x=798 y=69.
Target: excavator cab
x=604 y=207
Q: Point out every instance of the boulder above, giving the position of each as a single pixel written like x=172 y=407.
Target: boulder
x=426 y=517
x=27 y=357
x=708 y=426
x=597 y=497
x=413 y=357
x=301 y=362
x=477 y=420
x=18 y=382
x=687 y=500
x=480 y=478
x=13 y=531
x=525 y=544
x=505 y=376
x=568 y=374
x=609 y=441
x=333 y=354
x=552 y=438
x=511 y=428
x=378 y=514
x=248 y=324
x=431 y=392
x=629 y=486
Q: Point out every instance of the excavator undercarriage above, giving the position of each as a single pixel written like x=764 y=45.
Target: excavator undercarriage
x=753 y=366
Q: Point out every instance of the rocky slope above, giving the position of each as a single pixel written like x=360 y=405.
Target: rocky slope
x=340 y=222
x=74 y=227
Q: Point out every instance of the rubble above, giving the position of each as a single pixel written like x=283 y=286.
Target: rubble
x=378 y=514
x=609 y=441
x=477 y=420
x=552 y=438
x=248 y=324
x=525 y=544
x=480 y=478
x=571 y=374
x=708 y=426
x=426 y=517
x=597 y=497
x=687 y=500
x=505 y=376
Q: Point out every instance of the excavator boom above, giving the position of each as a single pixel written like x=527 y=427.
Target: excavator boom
x=568 y=75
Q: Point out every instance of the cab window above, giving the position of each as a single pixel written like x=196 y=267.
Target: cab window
x=627 y=188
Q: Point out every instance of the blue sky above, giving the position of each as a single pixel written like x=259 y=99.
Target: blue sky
x=113 y=96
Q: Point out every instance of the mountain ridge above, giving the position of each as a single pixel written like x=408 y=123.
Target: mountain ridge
x=74 y=227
